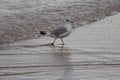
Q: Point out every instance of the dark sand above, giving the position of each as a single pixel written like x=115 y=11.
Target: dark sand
x=21 y=19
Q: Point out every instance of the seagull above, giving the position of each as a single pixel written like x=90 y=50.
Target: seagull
x=60 y=32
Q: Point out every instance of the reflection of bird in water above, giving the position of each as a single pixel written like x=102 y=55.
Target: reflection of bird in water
x=62 y=58
x=60 y=32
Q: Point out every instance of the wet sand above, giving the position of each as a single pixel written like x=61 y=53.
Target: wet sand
x=21 y=19
x=91 y=52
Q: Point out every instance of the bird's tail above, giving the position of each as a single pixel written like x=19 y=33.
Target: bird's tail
x=45 y=33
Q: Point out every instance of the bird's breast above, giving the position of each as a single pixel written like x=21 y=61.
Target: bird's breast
x=64 y=34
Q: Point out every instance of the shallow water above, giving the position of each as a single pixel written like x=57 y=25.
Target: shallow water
x=91 y=52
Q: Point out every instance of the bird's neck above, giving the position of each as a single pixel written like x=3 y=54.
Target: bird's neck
x=68 y=26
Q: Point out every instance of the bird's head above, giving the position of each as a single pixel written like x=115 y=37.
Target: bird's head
x=69 y=20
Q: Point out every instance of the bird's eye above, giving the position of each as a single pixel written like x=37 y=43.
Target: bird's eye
x=72 y=22
x=68 y=20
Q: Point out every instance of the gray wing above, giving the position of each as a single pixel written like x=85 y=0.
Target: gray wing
x=59 y=31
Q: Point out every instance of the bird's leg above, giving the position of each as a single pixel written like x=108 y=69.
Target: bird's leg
x=62 y=41
x=54 y=41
